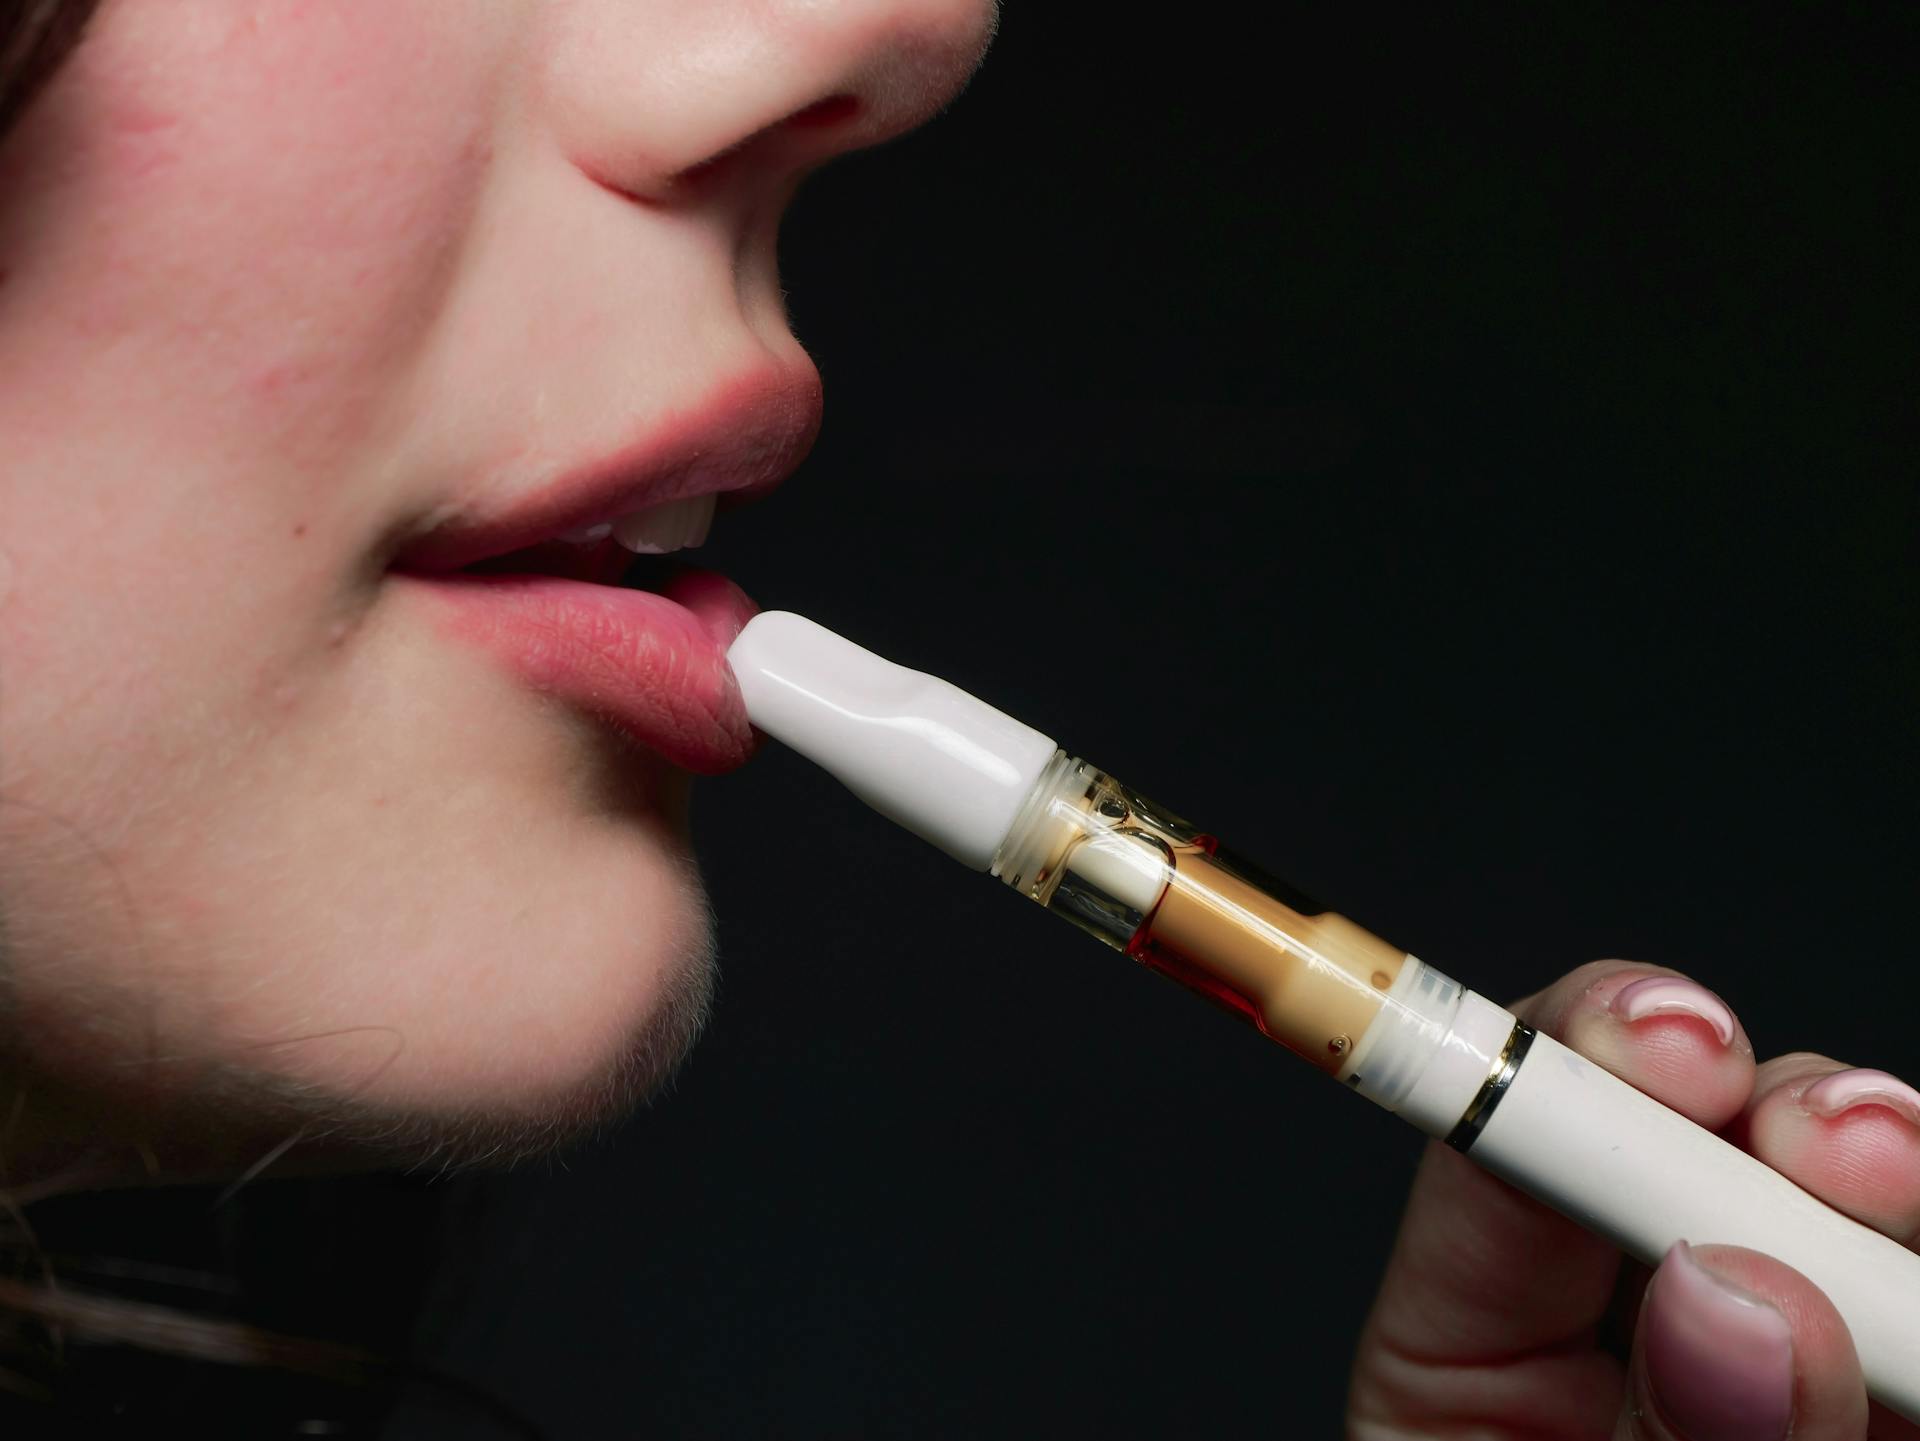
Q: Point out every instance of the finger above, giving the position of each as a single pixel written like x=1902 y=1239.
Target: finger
x=1850 y=1136
x=1655 y=1029
x=1482 y=1276
x=1734 y=1344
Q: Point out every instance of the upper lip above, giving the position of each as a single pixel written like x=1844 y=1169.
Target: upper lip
x=743 y=437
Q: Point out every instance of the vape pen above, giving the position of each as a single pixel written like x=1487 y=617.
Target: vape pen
x=1001 y=797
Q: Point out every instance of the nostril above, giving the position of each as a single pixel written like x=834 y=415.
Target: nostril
x=822 y=113
x=698 y=178
x=709 y=173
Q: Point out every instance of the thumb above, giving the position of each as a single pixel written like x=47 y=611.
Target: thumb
x=1735 y=1346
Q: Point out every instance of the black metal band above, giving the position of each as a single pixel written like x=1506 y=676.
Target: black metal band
x=1505 y=1066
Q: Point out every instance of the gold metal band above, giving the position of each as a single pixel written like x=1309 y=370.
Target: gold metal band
x=1505 y=1066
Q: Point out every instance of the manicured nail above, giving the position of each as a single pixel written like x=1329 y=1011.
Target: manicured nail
x=1843 y=1090
x=1671 y=996
x=1719 y=1360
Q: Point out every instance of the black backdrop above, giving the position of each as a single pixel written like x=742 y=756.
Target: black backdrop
x=1452 y=456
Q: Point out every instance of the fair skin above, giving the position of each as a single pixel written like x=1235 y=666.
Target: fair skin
x=287 y=850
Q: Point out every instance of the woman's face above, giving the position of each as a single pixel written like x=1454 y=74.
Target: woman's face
x=303 y=305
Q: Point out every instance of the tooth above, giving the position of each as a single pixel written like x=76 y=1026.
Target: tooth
x=699 y=519
x=671 y=525
x=587 y=533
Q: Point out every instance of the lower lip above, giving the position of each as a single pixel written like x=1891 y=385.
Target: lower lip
x=653 y=666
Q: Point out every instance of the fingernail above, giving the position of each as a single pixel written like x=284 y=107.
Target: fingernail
x=1843 y=1090
x=1671 y=996
x=1719 y=1361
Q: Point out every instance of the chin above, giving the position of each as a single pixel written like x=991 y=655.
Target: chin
x=498 y=1118
x=244 y=1121
x=539 y=1012
x=594 y=1033
x=512 y=1048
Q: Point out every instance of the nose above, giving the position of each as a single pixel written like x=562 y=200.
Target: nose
x=660 y=99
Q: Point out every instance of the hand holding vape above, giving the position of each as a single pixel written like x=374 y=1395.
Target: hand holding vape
x=1003 y=798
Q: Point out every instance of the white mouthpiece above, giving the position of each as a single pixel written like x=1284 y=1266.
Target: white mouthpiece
x=921 y=752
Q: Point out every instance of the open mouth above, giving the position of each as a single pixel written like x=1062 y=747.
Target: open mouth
x=575 y=583
x=638 y=552
x=610 y=619
x=596 y=562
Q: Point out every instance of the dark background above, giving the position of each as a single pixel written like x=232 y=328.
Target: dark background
x=1450 y=456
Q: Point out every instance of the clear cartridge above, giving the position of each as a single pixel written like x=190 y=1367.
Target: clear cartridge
x=1167 y=894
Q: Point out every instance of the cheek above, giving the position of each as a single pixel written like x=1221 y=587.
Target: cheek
x=225 y=229
x=252 y=212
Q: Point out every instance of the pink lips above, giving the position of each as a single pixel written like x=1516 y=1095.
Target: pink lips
x=651 y=665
